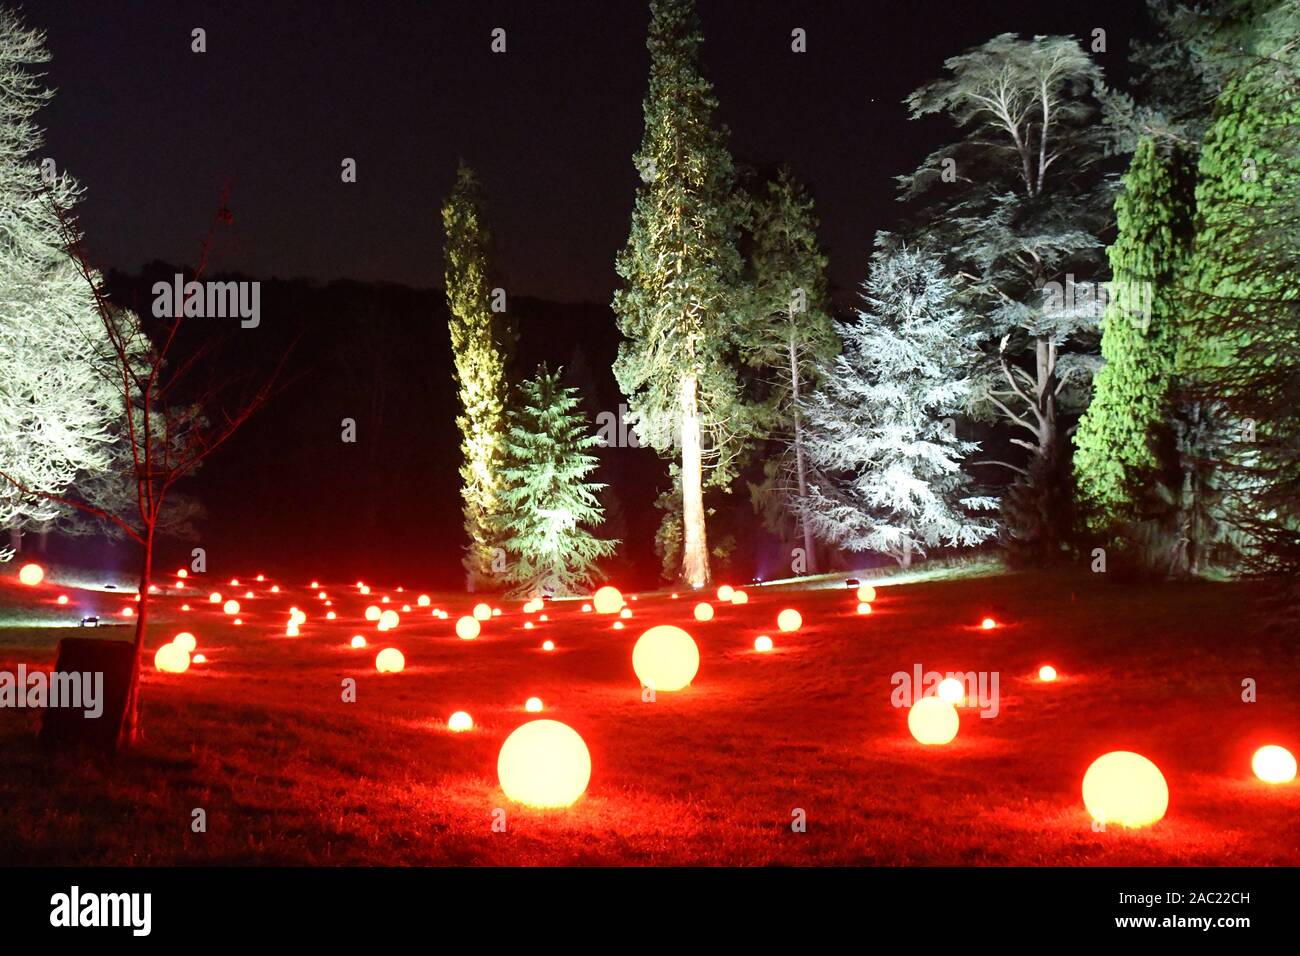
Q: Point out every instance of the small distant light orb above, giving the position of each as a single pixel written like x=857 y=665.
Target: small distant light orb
x=358 y=640
x=866 y=594
x=238 y=621
x=762 y=643
x=198 y=659
x=988 y=624
x=533 y=705
x=390 y=661
x=178 y=584
x=467 y=628
x=674 y=595
x=951 y=690
x=1125 y=788
x=608 y=600
x=864 y=608
x=182 y=573
x=460 y=722
x=384 y=599
x=234 y=582
x=291 y=630
x=528 y=625
x=231 y=606
x=186 y=642
x=665 y=658
x=704 y=611
x=388 y=620
x=365 y=588
x=373 y=612
x=296 y=616
x=248 y=594
x=586 y=609
x=1047 y=673
x=63 y=599
x=214 y=598
x=1273 y=764
x=171 y=659
x=482 y=612
x=726 y=592
x=330 y=615
x=496 y=612
x=739 y=597
x=321 y=596
x=275 y=589
x=625 y=613
x=542 y=617
x=933 y=721
x=548 y=645
x=128 y=612
x=423 y=600
x=789 y=620
x=618 y=625
x=544 y=764
x=261 y=577
x=315 y=584
x=185 y=607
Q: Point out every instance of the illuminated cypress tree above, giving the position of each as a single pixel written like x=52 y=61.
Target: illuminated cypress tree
x=681 y=275
x=1118 y=441
x=548 y=507
x=479 y=371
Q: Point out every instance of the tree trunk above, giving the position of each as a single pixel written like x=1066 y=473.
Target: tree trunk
x=809 y=548
x=130 y=729
x=43 y=540
x=16 y=540
x=695 y=547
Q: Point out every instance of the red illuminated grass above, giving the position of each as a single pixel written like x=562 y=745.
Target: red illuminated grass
x=287 y=773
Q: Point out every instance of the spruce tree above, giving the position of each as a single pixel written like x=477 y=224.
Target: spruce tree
x=681 y=275
x=888 y=462
x=480 y=373
x=1119 y=441
x=791 y=337
x=548 y=505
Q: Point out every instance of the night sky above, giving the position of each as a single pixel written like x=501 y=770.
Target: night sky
x=286 y=91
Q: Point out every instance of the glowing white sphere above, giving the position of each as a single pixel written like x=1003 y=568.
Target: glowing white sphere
x=988 y=624
x=467 y=628
x=460 y=722
x=951 y=690
x=1125 y=788
x=665 y=658
x=388 y=620
x=864 y=608
x=704 y=611
x=866 y=594
x=528 y=625
x=358 y=641
x=789 y=620
x=214 y=598
x=739 y=597
x=482 y=612
x=1274 y=764
x=625 y=613
x=544 y=764
x=762 y=643
x=933 y=721
x=231 y=606
x=586 y=609
x=198 y=659
x=608 y=600
x=726 y=592
x=185 y=641
x=390 y=661
x=373 y=612
x=171 y=659
x=31 y=575
x=423 y=600
x=1047 y=673
x=533 y=705
x=548 y=645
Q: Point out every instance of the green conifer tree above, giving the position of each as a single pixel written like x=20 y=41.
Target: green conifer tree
x=548 y=505
x=480 y=374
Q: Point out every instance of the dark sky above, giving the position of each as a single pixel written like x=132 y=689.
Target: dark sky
x=287 y=90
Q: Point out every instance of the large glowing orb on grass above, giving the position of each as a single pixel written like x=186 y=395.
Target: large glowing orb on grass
x=704 y=611
x=762 y=643
x=460 y=722
x=358 y=641
x=482 y=612
x=31 y=575
x=231 y=606
x=185 y=641
x=373 y=612
x=665 y=658
x=544 y=764
x=739 y=597
x=952 y=690
x=1273 y=764
x=1047 y=673
x=608 y=600
x=1125 y=788
x=866 y=594
x=789 y=620
x=467 y=628
x=390 y=661
x=933 y=721
x=726 y=592
x=171 y=659
x=388 y=620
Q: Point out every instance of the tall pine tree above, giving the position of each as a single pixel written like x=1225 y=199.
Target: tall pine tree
x=681 y=275
x=549 y=507
x=791 y=338
x=1119 y=441
x=480 y=372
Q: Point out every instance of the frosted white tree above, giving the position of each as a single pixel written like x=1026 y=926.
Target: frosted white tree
x=887 y=461
x=59 y=406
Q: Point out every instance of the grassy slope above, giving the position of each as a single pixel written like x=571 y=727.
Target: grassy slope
x=289 y=774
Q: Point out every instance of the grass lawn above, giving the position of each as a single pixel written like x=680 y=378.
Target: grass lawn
x=289 y=774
